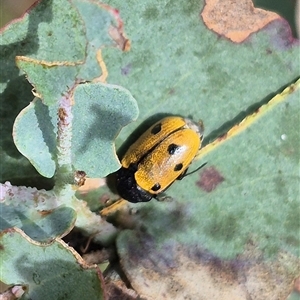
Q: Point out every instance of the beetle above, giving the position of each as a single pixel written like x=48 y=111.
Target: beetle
x=159 y=156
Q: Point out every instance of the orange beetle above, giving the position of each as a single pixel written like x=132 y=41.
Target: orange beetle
x=161 y=155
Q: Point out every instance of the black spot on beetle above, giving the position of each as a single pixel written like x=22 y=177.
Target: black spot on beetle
x=172 y=149
x=178 y=167
x=156 y=187
x=156 y=129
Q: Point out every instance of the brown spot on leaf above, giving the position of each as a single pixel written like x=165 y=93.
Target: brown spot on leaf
x=297 y=284
x=235 y=19
x=116 y=32
x=118 y=36
x=210 y=178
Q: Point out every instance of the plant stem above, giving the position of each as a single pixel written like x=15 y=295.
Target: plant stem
x=64 y=170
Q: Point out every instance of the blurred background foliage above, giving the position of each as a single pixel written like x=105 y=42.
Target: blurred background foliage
x=288 y=9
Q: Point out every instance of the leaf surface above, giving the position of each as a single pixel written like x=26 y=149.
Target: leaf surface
x=97 y=120
x=248 y=193
x=43 y=269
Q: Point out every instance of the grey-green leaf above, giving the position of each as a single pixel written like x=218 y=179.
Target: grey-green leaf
x=49 y=272
x=100 y=111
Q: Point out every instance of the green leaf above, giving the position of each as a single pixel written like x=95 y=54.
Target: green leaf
x=46 y=215
x=67 y=46
x=186 y=69
x=36 y=212
x=100 y=112
x=178 y=66
x=56 y=43
x=98 y=20
x=34 y=134
x=51 y=41
x=242 y=209
x=56 y=268
x=42 y=228
x=294 y=296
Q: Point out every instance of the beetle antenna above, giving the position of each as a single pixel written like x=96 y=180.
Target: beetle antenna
x=195 y=170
